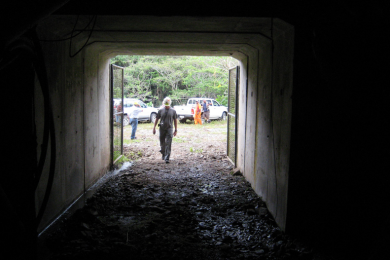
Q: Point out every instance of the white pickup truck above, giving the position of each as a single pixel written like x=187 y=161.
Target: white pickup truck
x=217 y=111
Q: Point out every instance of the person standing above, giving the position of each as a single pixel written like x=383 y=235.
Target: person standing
x=119 y=115
x=168 y=119
x=206 y=112
x=133 y=114
x=198 y=113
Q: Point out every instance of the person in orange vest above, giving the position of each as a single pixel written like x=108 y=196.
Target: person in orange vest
x=198 y=113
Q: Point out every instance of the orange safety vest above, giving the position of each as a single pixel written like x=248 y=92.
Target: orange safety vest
x=198 y=113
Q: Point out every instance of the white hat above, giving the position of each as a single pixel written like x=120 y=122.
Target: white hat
x=167 y=101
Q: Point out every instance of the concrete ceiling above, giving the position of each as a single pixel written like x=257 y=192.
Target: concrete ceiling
x=160 y=35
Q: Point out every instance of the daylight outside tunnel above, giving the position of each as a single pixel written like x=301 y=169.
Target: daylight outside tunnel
x=185 y=79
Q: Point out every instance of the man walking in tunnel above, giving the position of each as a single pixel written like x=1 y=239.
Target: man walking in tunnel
x=168 y=116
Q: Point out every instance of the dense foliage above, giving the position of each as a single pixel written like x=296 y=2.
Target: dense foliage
x=151 y=78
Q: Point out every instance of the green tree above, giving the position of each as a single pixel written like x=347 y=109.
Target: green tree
x=151 y=78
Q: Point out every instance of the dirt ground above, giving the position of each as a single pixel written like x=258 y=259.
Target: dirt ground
x=192 y=208
x=193 y=142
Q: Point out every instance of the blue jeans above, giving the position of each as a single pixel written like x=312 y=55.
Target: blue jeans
x=134 y=124
x=118 y=118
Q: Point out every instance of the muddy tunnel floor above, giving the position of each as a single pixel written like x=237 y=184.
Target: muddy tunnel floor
x=195 y=207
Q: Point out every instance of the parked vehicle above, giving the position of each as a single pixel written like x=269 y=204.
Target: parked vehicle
x=186 y=112
x=148 y=114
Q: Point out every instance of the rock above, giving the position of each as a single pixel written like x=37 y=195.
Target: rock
x=203 y=225
x=85 y=225
x=157 y=209
x=93 y=212
x=236 y=172
x=262 y=211
x=251 y=212
x=199 y=209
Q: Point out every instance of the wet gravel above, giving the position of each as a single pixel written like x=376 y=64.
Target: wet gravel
x=181 y=210
x=195 y=207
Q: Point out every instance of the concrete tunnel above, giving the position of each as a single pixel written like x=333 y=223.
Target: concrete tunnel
x=288 y=147
x=82 y=88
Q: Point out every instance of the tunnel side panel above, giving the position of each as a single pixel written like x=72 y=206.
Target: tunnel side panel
x=66 y=95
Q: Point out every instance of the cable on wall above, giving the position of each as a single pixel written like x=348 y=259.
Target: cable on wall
x=40 y=67
x=86 y=42
x=74 y=28
x=27 y=49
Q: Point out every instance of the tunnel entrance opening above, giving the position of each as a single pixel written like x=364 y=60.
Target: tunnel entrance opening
x=140 y=85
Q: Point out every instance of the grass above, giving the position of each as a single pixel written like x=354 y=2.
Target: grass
x=216 y=124
x=192 y=150
x=213 y=124
x=188 y=125
x=185 y=135
x=129 y=141
x=178 y=140
x=132 y=155
x=185 y=132
x=122 y=160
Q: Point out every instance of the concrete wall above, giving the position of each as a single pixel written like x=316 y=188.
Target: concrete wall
x=241 y=120
x=268 y=118
x=79 y=93
x=278 y=135
x=97 y=123
x=66 y=94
